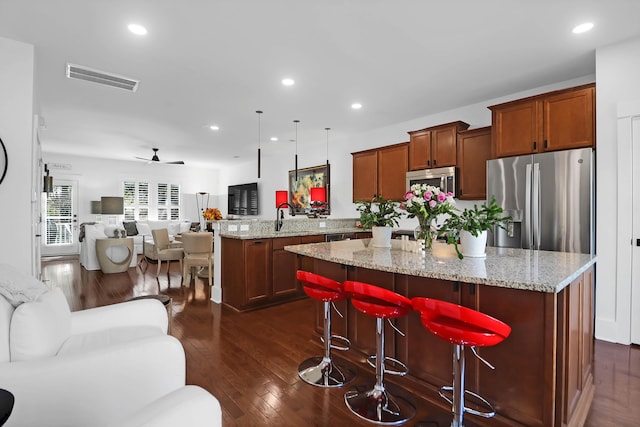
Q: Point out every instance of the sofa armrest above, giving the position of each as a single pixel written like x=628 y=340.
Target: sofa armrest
x=146 y=312
x=97 y=386
x=190 y=406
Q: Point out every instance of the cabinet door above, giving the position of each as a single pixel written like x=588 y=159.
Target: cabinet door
x=443 y=147
x=336 y=272
x=392 y=171
x=474 y=149
x=420 y=150
x=429 y=357
x=569 y=120
x=285 y=265
x=257 y=270
x=516 y=128
x=365 y=175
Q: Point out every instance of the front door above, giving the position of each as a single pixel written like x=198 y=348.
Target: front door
x=60 y=226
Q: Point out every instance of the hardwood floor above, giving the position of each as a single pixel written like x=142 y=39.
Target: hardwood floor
x=249 y=360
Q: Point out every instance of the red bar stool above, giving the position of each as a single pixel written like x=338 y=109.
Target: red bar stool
x=375 y=403
x=463 y=327
x=323 y=371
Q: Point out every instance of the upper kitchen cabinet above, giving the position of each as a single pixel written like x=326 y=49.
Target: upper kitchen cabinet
x=380 y=171
x=474 y=149
x=552 y=121
x=435 y=146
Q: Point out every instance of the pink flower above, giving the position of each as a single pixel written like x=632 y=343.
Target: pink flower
x=449 y=194
x=428 y=195
x=433 y=203
x=442 y=197
x=408 y=195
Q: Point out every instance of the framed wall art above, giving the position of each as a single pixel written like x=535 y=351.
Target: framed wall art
x=300 y=189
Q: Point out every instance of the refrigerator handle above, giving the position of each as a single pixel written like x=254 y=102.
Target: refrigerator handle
x=526 y=220
x=535 y=208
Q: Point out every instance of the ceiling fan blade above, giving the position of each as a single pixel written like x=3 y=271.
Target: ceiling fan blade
x=179 y=162
x=143 y=158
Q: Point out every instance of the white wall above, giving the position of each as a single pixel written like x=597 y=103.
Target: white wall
x=617 y=71
x=16 y=116
x=102 y=177
x=276 y=164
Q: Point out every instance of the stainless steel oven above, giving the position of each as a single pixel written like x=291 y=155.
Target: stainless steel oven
x=444 y=178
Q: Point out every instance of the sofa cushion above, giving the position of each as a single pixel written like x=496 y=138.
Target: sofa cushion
x=18 y=287
x=173 y=228
x=110 y=230
x=184 y=227
x=6 y=311
x=130 y=227
x=39 y=328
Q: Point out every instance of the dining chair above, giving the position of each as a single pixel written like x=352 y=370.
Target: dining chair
x=198 y=252
x=165 y=250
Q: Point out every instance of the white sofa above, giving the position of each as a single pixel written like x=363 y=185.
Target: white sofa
x=107 y=366
x=88 y=257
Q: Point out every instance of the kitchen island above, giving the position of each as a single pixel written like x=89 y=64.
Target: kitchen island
x=544 y=370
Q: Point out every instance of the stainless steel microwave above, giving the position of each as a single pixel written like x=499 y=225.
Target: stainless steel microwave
x=444 y=178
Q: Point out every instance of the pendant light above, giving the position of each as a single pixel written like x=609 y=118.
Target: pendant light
x=296 y=124
x=258 y=112
x=327 y=180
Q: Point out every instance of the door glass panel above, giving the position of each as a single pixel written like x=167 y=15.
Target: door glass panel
x=59 y=216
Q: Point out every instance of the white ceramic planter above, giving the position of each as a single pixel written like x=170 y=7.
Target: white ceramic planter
x=381 y=237
x=472 y=246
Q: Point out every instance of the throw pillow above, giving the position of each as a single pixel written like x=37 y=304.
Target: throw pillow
x=143 y=229
x=130 y=227
x=184 y=227
x=39 y=328
x=109 y=230
x=173 y=229
x=18 y=287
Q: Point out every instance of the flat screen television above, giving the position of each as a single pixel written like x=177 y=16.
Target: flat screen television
x=243 y=199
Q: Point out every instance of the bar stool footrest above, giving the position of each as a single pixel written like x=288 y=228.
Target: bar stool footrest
x=344 y=343
x=399 y=368
x=378 y=406
x=481 y=402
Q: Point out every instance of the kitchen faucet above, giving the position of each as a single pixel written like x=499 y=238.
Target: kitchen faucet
x=280 y=214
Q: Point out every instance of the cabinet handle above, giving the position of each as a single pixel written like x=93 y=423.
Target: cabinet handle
x=456 y=286
x=535 y=144
x=428 y=162
x=472 y=288
x=259 y=242
x=545 y=143
x=434 y=162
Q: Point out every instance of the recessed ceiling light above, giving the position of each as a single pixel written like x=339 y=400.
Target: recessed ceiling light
x=356 y=106
x=214 y=127
x=274 y=139
x=582 y=28
x=137 y=29
x=288 y=82
x=236 y=157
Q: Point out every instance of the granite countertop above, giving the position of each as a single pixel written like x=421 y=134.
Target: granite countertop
x=541 y=271
x=244 y=235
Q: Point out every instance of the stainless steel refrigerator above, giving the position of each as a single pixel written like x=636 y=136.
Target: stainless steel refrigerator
x=550 y=197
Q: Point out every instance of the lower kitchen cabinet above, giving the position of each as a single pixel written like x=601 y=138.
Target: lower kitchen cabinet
x=259 y=273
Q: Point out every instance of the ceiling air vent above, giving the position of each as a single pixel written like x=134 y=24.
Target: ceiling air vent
x=96 y=76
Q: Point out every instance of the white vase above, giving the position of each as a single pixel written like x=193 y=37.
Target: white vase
x=381 y=237
x=472 y=246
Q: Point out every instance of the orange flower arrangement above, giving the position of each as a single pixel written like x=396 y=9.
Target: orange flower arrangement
x=212 y=214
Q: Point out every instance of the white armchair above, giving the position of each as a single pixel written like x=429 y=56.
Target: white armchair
x=94 y=367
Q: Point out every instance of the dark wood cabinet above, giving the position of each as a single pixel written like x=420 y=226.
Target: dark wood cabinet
x=553 y=121
x=435 y=146
x=381 y=171
x=544 y=369
x=474 y=149
x=258 y=273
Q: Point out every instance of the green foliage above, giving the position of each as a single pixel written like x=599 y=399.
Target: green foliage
x=474 y=221
x=384 y=214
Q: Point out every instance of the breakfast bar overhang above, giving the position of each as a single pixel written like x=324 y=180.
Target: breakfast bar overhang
x=544 y=369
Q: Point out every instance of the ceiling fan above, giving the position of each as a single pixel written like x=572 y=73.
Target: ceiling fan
x=155 y=158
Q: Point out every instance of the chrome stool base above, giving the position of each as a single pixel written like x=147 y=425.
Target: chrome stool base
x=325 y=373
x=378 y=406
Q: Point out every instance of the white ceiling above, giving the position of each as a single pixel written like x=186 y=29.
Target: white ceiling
x=216 y=62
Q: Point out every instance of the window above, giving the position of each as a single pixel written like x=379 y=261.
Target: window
x=168 y=201
x=136 y=201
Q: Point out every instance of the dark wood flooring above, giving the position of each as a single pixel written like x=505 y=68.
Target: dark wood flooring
x=249 y=360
